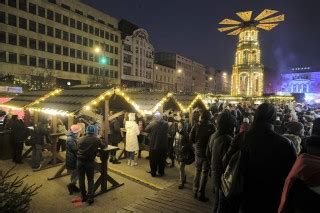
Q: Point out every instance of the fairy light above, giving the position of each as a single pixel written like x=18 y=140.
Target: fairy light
x=43 y=98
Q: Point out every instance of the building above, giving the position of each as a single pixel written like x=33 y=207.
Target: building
x=54 y=41
x=189 y=75
x=163 y=78
x=247 y=72
x=300 y=80
x=137 y=56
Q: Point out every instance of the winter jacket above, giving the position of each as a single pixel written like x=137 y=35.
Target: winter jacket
x=158 y=135
x=115 y=132
x=39 y=134
x=71 y=151
x=200 y=135
x=18 y=130
x=296 y=141
x=88 y=148
x=132 y=132
x=217 y=148
x=181 y=143
x=311 y=145
x=268 y=160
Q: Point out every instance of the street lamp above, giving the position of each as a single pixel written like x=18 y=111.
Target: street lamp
x=97 y=49
x=210 y=78
x=179 y=70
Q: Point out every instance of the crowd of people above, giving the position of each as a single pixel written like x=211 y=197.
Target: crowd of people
x=279 y=144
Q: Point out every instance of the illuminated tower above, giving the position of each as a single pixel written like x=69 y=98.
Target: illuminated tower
x=247 y=71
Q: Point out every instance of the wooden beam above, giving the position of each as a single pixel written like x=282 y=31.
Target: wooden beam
x=106 y=121
x=115 y=115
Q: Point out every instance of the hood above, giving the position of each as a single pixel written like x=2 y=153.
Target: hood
x=226 y=123
x=132 y=116
x=71 y=134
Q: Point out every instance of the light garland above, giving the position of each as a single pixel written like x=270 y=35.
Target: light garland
x=11 y=107
x=43 y=98
x=51 y=111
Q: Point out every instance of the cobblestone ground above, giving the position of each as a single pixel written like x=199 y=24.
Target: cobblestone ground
x=53 y=195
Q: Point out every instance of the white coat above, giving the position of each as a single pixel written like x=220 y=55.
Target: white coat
x=132 y=131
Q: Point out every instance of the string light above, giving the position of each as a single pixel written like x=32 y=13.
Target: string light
x=43 y=98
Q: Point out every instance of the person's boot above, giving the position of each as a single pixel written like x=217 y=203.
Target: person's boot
x=90 y=201
x=195 y=195
x=69 y=186
x=184 y=180
x=115 y=161
x=181 y=186
x=203 y=198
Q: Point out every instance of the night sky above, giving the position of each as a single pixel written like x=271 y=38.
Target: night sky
x=189 y=27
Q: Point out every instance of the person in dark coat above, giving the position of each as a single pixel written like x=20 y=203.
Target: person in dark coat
x=311 y=145
x=268 y=160
x=71 y=157
x=172 y=133
x=180 y=145
x=217 y=148
x=19 y=135
x=115 y=138
x=199 y=136
x=87 y=152
x=158 y=130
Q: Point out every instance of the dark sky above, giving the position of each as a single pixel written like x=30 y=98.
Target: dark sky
x=189 y=27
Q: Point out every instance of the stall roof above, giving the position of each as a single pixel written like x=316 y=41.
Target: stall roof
x=27 y=98
x=187 y=101
x=70 y=100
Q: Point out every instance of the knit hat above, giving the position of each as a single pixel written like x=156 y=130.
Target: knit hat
x=75 y=128
x=91 y=130
x=265 y=113
x=294 y=127
x=157 y=115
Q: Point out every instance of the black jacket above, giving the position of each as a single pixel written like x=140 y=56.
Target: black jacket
x=268 y=160
x=71 y=151
x=217 y=148
x=158 y=135
x=88 y=148
x=39 y=133
x=181 y=145
x=311 y=145
x=18 y=131
x=199 y=135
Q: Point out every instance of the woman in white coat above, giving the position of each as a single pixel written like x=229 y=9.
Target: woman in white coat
x=132 y=132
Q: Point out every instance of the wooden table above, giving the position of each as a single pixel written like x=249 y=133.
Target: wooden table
x=102 y=168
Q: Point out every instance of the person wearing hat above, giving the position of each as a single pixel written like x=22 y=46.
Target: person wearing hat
x=87 y=152
x=294 y=132
x=71 y=157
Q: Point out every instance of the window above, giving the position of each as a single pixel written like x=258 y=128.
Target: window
x=2 y=17
x=111 y=37
x=32 y=26
x=100 y=21
x=65 y=6
x=58 y=33
x=107 y=35
x=79 y=25
x=22 y=23
x=52 y=1
x=85 y=70
x=79 y=39
x=50 y=64
x=33 y=61
x=116 y=38
x=96 y=31
x=72 y=67
x=13 y=58
x=102 y=33
x=90 y=43
x=91 y=29
x=12 y=39
x=41 y=28
x=85 y=41
x=65 y=66
x=32 y=43
x=65 y=36
x=111 y=49
x=3 y=55
x=50 y=31
x=79 y=54
x=12 y=3
x=116 y=50
x=90 y=57
x=72 y=52
x=72 y=23
x=79 y=68
x=23 y=59
x=42 y=62
x=65 y=20
x=58 y=65
x=66 y=51
x=90 y=17
x=58 y=17
x=85 y=27
x=41 y=12
x=50 y=47
x=12 y=20
x=115 y=74
x=116 y=62
x=72 y=37
x=96 y=71
x=91 y=70
x=85 y=56
x=23 y=42
x=42 y=45
x=79 y=12
x=32 y=8
x=111 y=61
x=50 y=14
x=23 y=5
x=58 y=49
x=3 y=38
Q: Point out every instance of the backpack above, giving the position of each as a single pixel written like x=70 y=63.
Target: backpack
x=232 y=179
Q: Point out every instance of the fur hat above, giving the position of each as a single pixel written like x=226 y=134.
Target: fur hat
x=91 y=130
x=75 y=128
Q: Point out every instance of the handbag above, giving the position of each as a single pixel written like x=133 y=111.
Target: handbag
x=232 y=179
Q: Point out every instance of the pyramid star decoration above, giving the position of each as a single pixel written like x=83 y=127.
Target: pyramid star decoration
x=247 y=71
